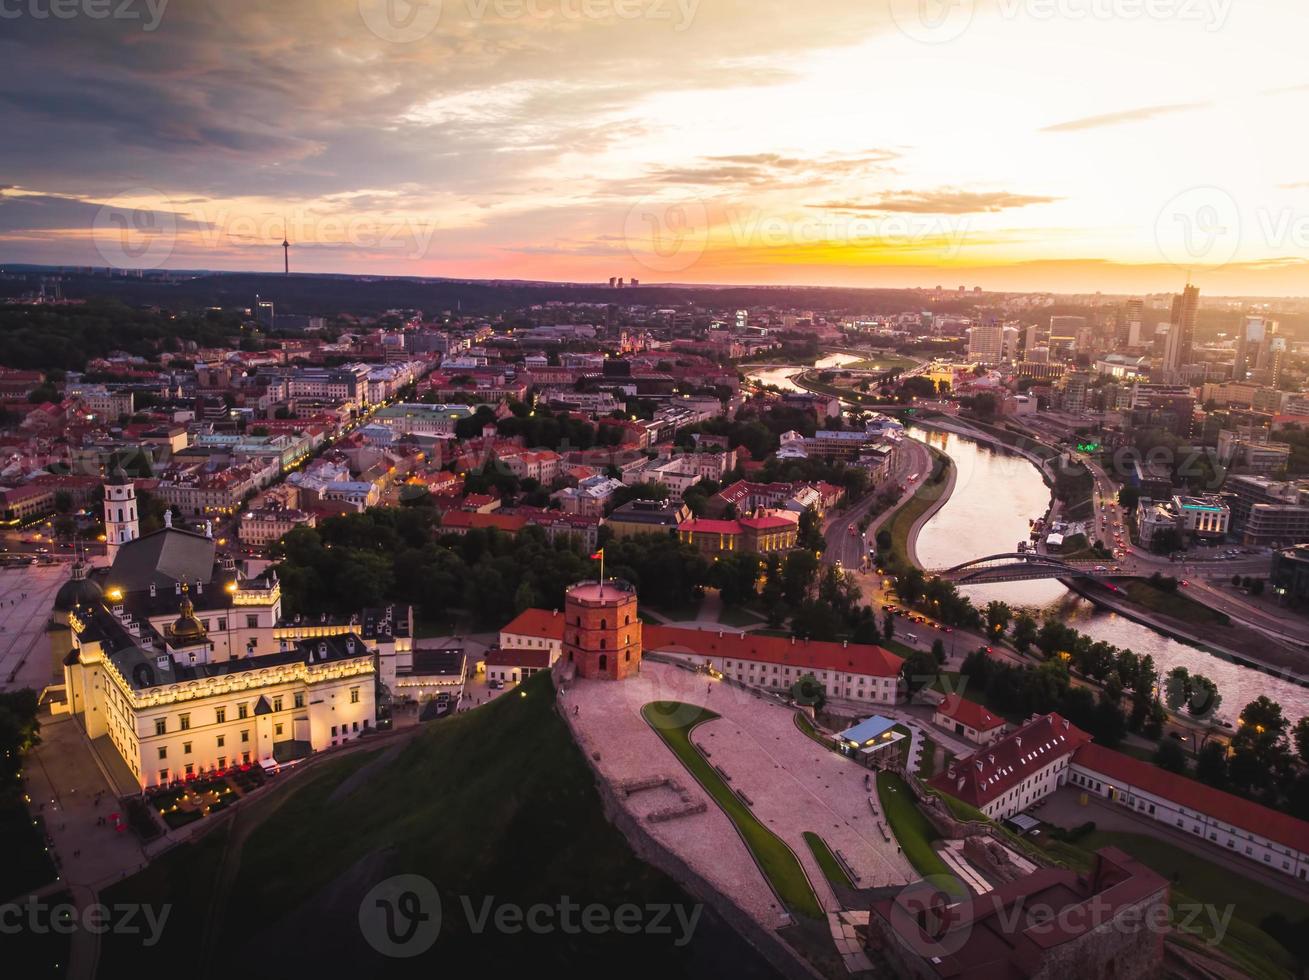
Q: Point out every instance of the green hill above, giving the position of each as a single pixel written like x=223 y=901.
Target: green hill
x=496 y=807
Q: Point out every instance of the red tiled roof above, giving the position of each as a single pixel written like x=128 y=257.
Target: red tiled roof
x=767 y=522
x=1114 y=767
x=706 y=526
x=538 y=659
x=468 y=520
x=857 y=658
x=991 y=772
x=537 y=623
x=969 y=713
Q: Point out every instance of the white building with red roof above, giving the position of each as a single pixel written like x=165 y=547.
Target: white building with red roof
x=1012 y=773
x=850 y=671
x=969 y=719
x=1269 y=837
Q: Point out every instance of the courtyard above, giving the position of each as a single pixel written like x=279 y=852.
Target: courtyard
x=792 y=784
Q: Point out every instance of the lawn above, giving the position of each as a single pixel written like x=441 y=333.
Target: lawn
x=913 y=832
x=832 y=869
x=687 y=613
x=1201 y=879
x=27 y=865
x=496 y=807
x=1177 y=604
x=803 y=722
x=674 y=721
x=739 y=617
x=1202 y=882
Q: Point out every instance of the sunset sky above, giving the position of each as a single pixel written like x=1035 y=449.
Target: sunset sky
x=1069 y=145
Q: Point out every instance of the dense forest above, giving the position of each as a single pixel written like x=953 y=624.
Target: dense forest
x=66 y=337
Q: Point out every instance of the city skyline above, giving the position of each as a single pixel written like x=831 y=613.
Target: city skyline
x=695 y=143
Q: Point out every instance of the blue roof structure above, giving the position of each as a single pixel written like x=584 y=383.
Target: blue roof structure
x=868 y=730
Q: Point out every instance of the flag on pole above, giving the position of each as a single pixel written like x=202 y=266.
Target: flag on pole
x=598 y=555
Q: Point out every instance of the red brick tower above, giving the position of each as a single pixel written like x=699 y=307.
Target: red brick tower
x=602 y=634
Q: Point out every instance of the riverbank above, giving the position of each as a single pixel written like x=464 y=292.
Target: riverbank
x=904 y=523
x=1277 y=660
x=951 y=474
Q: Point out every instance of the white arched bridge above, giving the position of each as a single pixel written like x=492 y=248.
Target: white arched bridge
x=1019 y=566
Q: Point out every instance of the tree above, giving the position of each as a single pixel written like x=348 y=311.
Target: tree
x=1177 y=688
x=1211 y=766
x=1170 y=756
x=1301 y=736
x=798 y=576
x=1205 y=699
x=1109 y=726
x=1259 y=745
x=998 y=616
x=919 y=669
x=807 y=690
x=1025 y=630
x=811 y=532
x=938 y=650
x=888 y=626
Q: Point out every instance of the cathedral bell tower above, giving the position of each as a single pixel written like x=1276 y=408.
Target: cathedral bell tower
x=121 y=522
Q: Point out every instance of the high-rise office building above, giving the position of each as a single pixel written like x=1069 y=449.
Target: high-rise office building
x=1249 y=336
x=1064 y=331
x=1177 y=350
x=986 y=343
x=1135 y=322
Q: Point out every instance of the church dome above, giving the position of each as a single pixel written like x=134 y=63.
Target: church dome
x=77 y=591
x=186 y=629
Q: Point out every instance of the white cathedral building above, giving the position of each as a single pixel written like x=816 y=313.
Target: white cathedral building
x=186 y=666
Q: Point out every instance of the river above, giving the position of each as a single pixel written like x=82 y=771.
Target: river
x=781 y=376
x=996 y=494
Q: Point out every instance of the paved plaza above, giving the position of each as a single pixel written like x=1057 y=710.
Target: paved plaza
x=70 y=791
x=794 y=783
x=27 y=594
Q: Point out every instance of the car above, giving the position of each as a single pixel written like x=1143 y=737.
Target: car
x=910 y=638
x=496 y=685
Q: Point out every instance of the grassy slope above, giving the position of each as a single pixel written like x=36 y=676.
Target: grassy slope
x=774 y=857
x=832 y=869
x=27 y=864
x=928 y=494
x=912 y=830
x=1178 y=604
x=493 y=803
